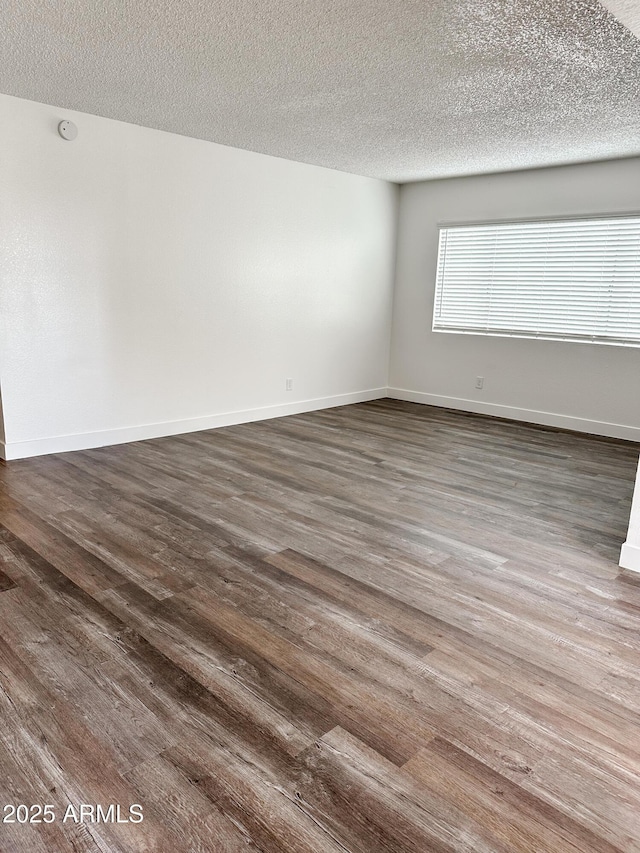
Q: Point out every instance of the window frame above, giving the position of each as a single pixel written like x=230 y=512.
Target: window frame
x=565 y=337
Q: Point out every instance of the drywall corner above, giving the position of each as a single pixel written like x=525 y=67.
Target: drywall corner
x=2 y=430
x=630 y=554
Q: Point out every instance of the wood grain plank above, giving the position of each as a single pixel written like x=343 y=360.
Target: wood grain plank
x=381 y=627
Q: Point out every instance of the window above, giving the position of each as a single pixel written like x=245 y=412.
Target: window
x=571 y=280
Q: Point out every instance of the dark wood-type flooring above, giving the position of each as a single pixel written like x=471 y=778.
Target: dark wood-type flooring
x=384 y=627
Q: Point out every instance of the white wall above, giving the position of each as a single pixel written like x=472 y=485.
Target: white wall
x=579 y=386
x=153 y=284
x=630 y=554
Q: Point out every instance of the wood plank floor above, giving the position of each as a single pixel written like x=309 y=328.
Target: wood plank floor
x=384 y=627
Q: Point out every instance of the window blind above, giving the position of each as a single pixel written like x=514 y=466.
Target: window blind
x=575 y=280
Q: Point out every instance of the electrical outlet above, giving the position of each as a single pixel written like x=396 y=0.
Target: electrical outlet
x=480 y=382
x=289 y=384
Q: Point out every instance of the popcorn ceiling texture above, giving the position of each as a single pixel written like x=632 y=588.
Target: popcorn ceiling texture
x=396 y=90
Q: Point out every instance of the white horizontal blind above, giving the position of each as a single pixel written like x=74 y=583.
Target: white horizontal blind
x=575 y=280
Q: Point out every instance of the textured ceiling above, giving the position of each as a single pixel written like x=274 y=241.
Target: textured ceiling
x=397 y=90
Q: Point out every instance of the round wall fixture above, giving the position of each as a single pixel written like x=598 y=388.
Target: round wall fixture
x=67 y=130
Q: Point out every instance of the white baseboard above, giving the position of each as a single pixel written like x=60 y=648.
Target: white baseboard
x=630 y=433
x=630 y=557
x=84 y=441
